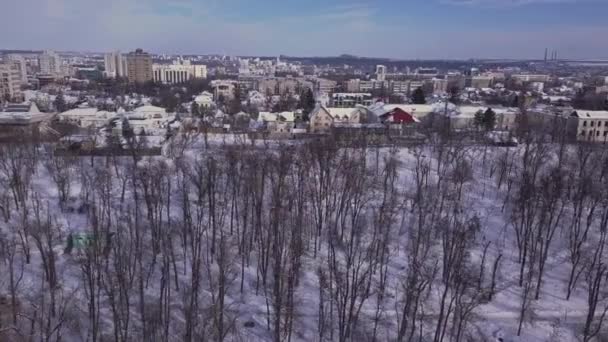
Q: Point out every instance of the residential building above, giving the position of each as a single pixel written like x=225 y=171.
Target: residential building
x=324 y=86
x=204 y=100
x=415 y=85
x=353 y=85
x=590 y=125
x=495 y=75
x=256 y=99
x=440 y=86
x=418 y=111
x=87 y=117
x=537 y=86
x=401 y=87
x=427 y=72
x=282 y=122
x=115 y=65
x=530 y=78
x=10 y=82
x=22 y=114
x=223 y=89
x=21 y=64
x=321 y=120
x=283 y=85
x=398 y=116
x=479 y=82
x=381 y=73
x=50 y=63
x=178 y=72
x=601 y=89
x=464 y=118
x=139 y=66
x=348 y=100
x=24 y=121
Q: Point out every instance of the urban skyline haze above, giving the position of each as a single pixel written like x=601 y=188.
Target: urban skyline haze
x=450 y=29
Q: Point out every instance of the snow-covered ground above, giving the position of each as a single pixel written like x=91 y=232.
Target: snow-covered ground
x=225 y=180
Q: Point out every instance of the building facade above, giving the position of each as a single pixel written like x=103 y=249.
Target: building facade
x=479 y=82
x=10 y=82
x=21 y=64
x=50 y=63
x=381 y=73
x=115 y=64
x=178 y=72
x=321 y=120
x=223 y=89
x=347 y=100
x=139 y=66
x=591 y=126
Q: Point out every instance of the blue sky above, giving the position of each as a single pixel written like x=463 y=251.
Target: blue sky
x=407 y=29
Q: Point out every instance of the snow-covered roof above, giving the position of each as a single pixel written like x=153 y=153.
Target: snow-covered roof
x=267 y=117
x=418 y=110
x=340 y=113
x=288 y=116
x=591 y=114
x=80 y=112
x=470 y=111
x=204 y=97
x=149 y=109
x=21 y=108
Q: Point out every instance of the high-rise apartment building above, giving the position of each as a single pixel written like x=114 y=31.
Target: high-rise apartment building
x=21 y=65
x=50 y=63
x=115 y=65
x=10 y=82
x=381 y=73
x=139 y=66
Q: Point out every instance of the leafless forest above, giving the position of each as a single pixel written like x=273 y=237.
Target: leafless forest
x=306 y=242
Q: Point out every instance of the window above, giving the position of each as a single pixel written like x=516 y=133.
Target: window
x=584 y=123
x=597 y=134
x=583 y=133
x=592 y=123
x=605 y=123
x=606 y=133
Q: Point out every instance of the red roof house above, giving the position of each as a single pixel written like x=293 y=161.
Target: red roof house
x=398 y=116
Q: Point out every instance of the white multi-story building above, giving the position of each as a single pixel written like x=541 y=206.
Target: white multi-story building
x=21 y=64
x=178 y=72
x=223 y=89
x=380 y=73
x=325 y=86
x=205 y=100
x=531 y=78
x=10 y=82
x=348 y=100
x=50 y=63
x=590 y=125
x=440 y=86
x=115 y=64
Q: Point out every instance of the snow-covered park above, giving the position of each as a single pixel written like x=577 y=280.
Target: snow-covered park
x=305 y=242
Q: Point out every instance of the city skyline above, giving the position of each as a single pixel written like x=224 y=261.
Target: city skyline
x=436 y=29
